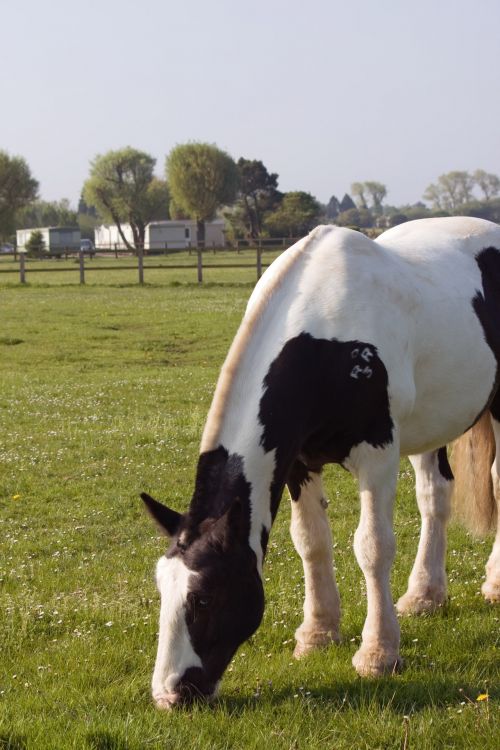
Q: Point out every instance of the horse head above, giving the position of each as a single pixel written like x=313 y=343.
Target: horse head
x=212 y=600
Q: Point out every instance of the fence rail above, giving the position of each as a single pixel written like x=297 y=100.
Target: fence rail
x=136 y=261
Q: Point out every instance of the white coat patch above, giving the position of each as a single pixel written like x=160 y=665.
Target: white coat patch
x=175 y=651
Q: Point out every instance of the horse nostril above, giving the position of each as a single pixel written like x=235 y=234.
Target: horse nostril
x=194 y=685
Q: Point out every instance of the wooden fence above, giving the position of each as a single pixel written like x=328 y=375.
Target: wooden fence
x=127 y=262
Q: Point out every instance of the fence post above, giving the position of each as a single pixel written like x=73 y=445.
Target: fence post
x=140 y=264
x=259 y=260
x=22 y=270
x=81 y=261
x=200 y=265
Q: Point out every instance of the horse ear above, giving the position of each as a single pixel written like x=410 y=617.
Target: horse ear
x=168 y=520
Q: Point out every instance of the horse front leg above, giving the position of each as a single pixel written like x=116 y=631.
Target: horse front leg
x=491 y=587
x=375 y=547
x=427 y=581
x=311 y=535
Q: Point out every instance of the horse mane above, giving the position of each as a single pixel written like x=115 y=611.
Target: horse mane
x=262 y=295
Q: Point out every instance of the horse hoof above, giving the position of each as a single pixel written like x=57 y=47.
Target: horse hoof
x=303 y=649
x=314 y=642
x=410 y=604
x=376 y=663
x=491 y=592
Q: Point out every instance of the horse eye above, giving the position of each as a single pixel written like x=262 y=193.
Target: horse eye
x=200 y=602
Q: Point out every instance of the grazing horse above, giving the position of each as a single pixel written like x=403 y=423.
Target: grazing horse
x=355 y=352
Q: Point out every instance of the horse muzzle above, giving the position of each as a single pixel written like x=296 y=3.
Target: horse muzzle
x=194 y=687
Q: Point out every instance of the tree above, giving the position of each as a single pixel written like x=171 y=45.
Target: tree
x=451 y=190
x=257 y=194
x=458 y=185
x=85 y=209
x=355 y=217
x=36 y=243
x=377 y=192
x=397 y=218
x=414 y=211
x=332 y=208
x=488 y=183
x=489 y=209
x=47 y=214
x=358 y=189
x=87 y=219
x=346 y=203
x=433 y=194
x=296 y=215
x=123 y=189
x=17 y=189
x=158 y=200
x=202 y=178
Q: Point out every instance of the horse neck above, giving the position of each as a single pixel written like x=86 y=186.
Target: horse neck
x=236 y=465
x=233 y=423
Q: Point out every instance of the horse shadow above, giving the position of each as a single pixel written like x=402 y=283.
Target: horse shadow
x=106 y=740
x=13 y=742
x=411 y=697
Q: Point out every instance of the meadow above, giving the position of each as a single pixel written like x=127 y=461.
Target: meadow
x=104 y=392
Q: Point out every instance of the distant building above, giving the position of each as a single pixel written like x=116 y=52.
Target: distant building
x=57 y=240
x=108 y=237
x=162 y=235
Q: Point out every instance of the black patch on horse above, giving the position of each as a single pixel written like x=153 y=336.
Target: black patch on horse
x=487 y=308
x=220 y=481
x=321 y=398
x=444 y=465
x=297 y=477
x=225 y=602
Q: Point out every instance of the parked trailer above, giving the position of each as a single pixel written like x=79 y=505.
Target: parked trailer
x=162 y=235
x=56 y=240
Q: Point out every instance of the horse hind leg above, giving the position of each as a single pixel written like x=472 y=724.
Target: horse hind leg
x=427 y=588
x=491 y=587
x=311 y=535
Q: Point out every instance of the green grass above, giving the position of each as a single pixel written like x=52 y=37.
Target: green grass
x=104 y=391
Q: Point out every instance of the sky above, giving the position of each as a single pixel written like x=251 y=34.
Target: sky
x=324 y=92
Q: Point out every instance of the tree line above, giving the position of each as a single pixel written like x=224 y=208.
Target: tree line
x=201 y=181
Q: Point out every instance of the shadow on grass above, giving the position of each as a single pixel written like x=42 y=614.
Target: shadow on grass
x=105 y=740
x=12 y=742
x=402 y=698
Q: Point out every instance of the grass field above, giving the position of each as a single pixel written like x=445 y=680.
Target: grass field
x=104 y=391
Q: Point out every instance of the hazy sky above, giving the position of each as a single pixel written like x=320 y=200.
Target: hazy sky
x=323 y=92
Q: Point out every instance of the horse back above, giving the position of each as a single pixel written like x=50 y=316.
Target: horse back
x=408 y=296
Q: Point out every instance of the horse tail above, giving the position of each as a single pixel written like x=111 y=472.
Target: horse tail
x=472 y=457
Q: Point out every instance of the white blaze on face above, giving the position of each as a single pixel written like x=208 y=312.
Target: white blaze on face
x=175 y=651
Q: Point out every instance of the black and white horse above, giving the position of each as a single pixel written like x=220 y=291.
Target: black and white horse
x=351 y=351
